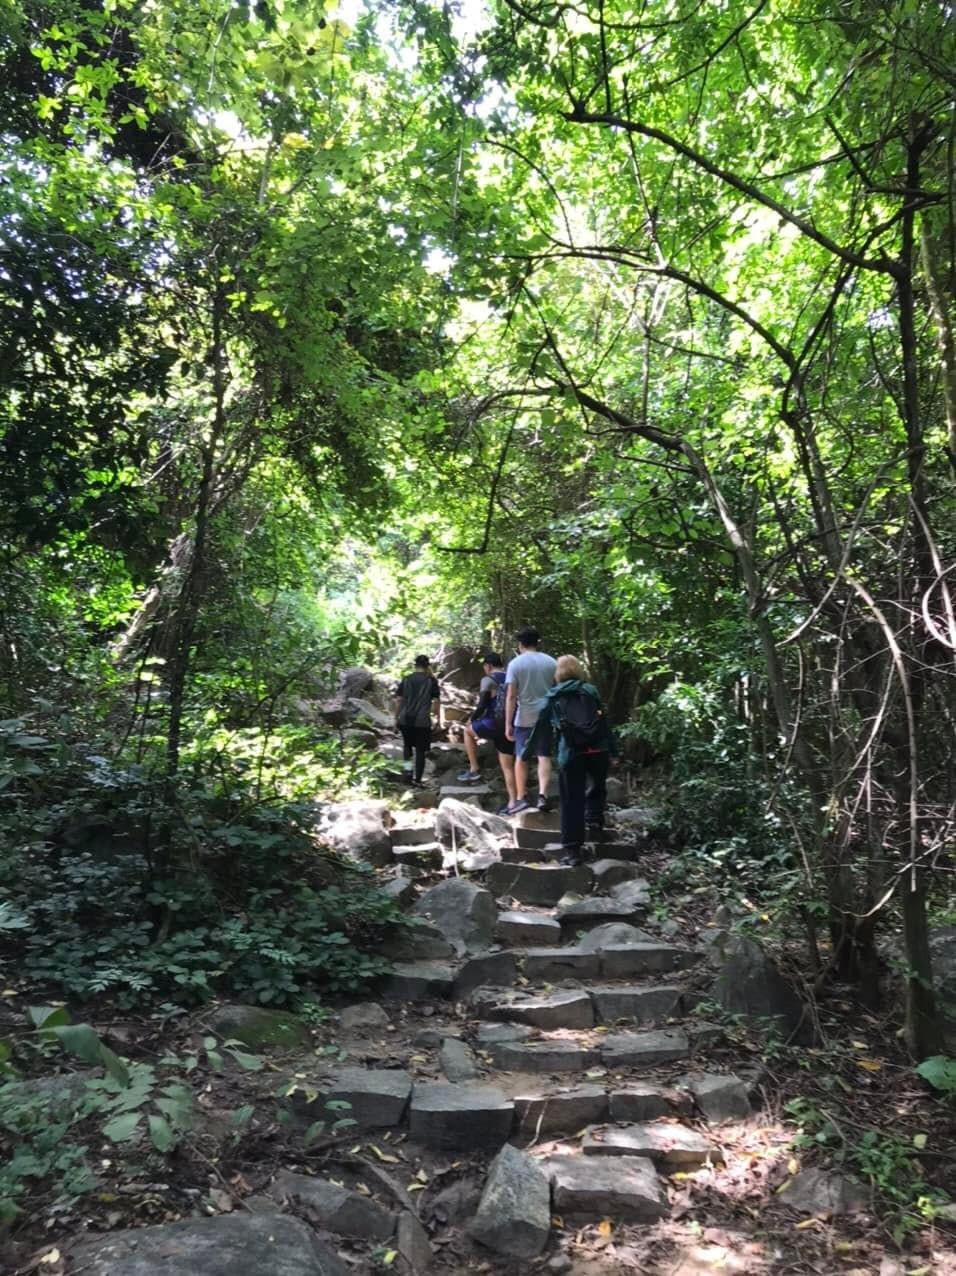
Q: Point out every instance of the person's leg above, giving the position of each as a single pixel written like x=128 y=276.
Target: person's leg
x=506 y=761
x=470 y=741
x=423 y=741
x=545 y=745
x=571 y=779
x=408 y=746
x=521 y=764
x=595 y=795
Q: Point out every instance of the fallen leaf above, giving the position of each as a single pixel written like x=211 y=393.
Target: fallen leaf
x=793 y=1165
x=422 y=1176
x=871 y=1065
x=604 y=1227
x=51 y=1256
x=807 y=1222
x=383 y=1156
x=919 y=1142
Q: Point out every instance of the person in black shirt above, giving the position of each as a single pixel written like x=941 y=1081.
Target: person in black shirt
x=414 y=697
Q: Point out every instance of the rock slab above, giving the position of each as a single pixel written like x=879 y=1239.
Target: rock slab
x=462 y=911
x=459 y=1116
x=514 y=1213
x=534 y=884
x=231 y=1245
x=334 y=1207
x=671 y=1146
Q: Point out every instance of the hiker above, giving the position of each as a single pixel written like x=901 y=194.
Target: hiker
x=488 y=723
x=574 y=714
x=414 y=697
x=528 y=680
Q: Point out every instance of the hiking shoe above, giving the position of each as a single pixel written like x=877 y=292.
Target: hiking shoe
x=504 y=810
x=468 y=777
x=522 y=804
x=545 y=804
x=572 y=857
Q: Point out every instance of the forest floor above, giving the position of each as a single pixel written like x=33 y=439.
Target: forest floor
x=864 y=1112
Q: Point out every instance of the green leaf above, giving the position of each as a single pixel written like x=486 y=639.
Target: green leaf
x=48 y=1016
x=122 y=1128
x=80 y=1040
x=940 y=1071
x=161 y=1134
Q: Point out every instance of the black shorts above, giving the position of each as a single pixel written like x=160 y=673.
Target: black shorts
x=504 y=745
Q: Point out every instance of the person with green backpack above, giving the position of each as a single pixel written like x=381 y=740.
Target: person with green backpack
x=574 y=713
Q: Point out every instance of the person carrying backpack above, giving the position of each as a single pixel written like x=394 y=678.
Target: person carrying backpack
x=488 y=723
x=414 y=697
x=575 y=715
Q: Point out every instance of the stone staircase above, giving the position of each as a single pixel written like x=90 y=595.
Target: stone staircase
x=557 y=1017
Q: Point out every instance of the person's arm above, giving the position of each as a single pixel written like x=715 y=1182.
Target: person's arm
x=511 y=704
x=399 y=700
x=436 y=702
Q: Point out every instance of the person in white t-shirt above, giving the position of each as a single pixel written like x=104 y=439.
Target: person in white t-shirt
x=529 y=678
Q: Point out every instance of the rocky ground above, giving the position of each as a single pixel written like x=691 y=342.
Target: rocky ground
x=536 y=1087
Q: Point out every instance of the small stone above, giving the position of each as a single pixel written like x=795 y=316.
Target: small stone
x=703 y=1035
x=457 y=1061
x=560 y=1112
x=671 y=1146
x=459 y=1116
x=427 y=1039
x=368 y=1014
x=413 y=1244
x=633 y=1049
x=636 y=892
x=527 y=928
x=558 y=1265
x=340 y=1210
x=670 y=929
x=559 y=1010
x=718 y=1098
x=823 y=1192
x=418 y=980
x=400 y=890
x=514 y=1214
x=625 y=1188
x=537 y=884
x=641 y=1004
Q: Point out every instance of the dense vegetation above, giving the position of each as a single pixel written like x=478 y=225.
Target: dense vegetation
x=327 y=336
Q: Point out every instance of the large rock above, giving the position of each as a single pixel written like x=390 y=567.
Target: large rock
x=461 y=667
x=642 y=1003
x=256 y=1026
x=418 y=940
x=360 y=830
x=637 y=817
x=514 y=1213
x=372 y=713
x=355 y=681
x=718 y=1098
x=247 y=1244
x=334 y=1207
x=625 y=1188
x=750 y=985
x=538 y=884
x=462 y=911
x=418 y=981
x=498 y=970
x=473 y=835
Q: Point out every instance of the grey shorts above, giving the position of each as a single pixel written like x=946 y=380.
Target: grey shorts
x=542 y=745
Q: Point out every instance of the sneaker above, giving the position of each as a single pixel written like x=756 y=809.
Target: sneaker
x=572 y=857
x=545 y=804
x=522 y=804
x=504 y=810
x=468 y=777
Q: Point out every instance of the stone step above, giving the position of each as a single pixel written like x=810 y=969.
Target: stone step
x=581 y=1007
x=418 y=981
x=445 y=1115
x=624 y=1188
x=412 y=834
x=474 y=794
x=537 y=883
x=597 y=909
x=522 y=855
x=553 y=1053
x=515 y=927
x=669 y=1145
x=609 y=872
x=420 y=855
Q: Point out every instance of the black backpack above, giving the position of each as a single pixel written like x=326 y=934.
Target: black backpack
x=500 y=706
x=582 y=722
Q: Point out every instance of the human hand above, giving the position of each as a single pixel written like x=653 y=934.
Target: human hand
x=509 y=733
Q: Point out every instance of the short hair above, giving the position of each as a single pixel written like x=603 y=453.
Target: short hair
x=528 y=637
x=422 y=662
x=569 y=667
x=492 y=658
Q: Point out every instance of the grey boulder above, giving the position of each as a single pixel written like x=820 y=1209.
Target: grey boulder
x=360 y=830
x=462 y=911
x=514 y=1213
x=749 y=984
